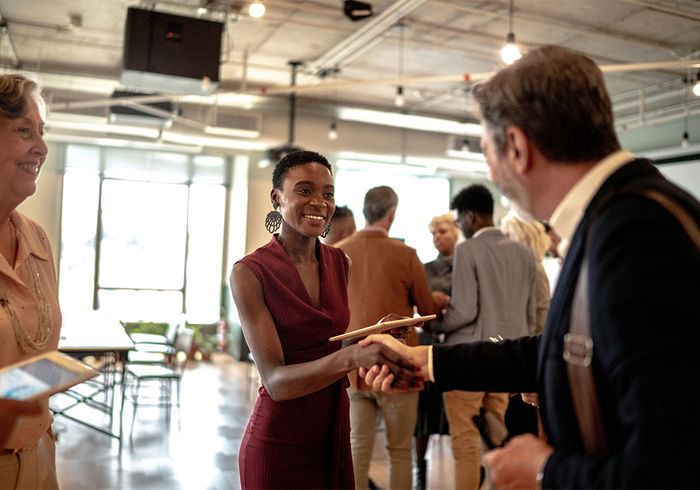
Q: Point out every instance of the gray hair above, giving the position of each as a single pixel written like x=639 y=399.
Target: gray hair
x=557 y=97
x=15 y=92
x=378 y=202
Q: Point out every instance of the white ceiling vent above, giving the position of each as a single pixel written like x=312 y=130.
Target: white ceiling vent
x=225 y=122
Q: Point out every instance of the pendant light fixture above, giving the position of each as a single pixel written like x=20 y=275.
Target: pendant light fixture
x=510 y=52
x=333 y=131
x=256 y=9
x=399 y=100
x=685 y=140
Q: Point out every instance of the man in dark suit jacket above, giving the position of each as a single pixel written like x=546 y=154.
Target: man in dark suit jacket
x=551 y=147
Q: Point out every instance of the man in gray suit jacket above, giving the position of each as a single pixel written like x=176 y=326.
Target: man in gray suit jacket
x=493 y=297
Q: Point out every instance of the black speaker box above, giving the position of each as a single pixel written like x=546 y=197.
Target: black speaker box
x=166 y=44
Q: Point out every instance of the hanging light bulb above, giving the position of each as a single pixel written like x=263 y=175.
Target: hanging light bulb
x=696 y=87
x=333 y=131
x=510 y=52
x=256 y=9
x=685 y=140
x=399 y=100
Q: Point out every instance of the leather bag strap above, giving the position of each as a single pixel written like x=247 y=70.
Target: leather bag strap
x=578 y=354
x=578 y=343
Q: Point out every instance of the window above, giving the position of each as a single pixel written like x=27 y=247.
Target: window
x=420 y=199
x=142 y=233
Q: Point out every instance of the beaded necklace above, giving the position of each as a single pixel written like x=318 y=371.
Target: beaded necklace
x=24 y=340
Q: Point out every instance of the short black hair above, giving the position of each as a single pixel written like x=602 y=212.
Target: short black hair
x=476 y=198
x=342 y=212
x=292 y=160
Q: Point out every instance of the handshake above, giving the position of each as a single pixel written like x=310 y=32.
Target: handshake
x=396 y=367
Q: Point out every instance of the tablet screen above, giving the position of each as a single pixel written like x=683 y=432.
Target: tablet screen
x=29 y=380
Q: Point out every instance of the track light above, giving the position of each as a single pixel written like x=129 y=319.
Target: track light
x=399 y=100
x=510 y=52
x=256 y=9
x=355 y=10
x=333 y=131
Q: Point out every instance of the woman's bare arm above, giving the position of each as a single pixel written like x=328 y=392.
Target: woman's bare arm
x=285 y=382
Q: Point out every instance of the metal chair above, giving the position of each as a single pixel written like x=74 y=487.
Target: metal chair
x=139 y=376
x=152 y=348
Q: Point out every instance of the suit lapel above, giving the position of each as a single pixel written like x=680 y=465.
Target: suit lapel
x=558 y=318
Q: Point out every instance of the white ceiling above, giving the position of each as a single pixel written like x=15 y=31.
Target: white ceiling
x=442 y=38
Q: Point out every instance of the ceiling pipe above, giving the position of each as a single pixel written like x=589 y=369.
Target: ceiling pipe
x=405 y=81
x=658 y=116
x=336 y=56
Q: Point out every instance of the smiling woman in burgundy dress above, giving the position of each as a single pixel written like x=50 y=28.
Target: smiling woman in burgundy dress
x=291 y=295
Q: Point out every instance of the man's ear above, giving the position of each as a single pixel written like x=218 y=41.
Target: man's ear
x=519 y=151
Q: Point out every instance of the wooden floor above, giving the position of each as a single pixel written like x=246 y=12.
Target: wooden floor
x=198 y=449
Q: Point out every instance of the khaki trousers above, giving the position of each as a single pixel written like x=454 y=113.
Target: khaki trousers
x=33 y=468
x=399 y=412
x=460 y=407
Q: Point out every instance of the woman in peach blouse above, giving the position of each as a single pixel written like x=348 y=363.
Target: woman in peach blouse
x=30 y=318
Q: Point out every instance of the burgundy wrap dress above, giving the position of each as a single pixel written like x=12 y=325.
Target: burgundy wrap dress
x=303 y=442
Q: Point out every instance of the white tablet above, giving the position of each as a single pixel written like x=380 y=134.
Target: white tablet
x=383 y=327
x=43 y=375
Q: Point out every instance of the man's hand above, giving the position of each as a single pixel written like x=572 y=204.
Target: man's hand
x=530 y=399
x=10 y=410
x=380 y=377
x=441 y=299
x=516 y=465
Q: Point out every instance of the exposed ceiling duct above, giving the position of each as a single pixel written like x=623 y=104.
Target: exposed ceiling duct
x=362 y=39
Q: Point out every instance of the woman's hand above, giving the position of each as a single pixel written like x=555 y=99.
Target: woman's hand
x=10 y=411
x=404 y=374
x=399 y=332
x=381 y=377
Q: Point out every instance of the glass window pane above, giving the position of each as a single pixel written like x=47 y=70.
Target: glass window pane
x=209 y=169
x=86 y=157
x=123 y=163
x=204 y=261
x=78 y=227
x=144 y=233
x=140 y=305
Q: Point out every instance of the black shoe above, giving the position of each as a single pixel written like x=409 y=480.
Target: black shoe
x=373 y=486
x=420 y=475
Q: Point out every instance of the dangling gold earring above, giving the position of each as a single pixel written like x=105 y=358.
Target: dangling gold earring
x=273 y=220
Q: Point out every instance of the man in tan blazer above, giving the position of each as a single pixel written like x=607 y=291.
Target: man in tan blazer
x=386 y=276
